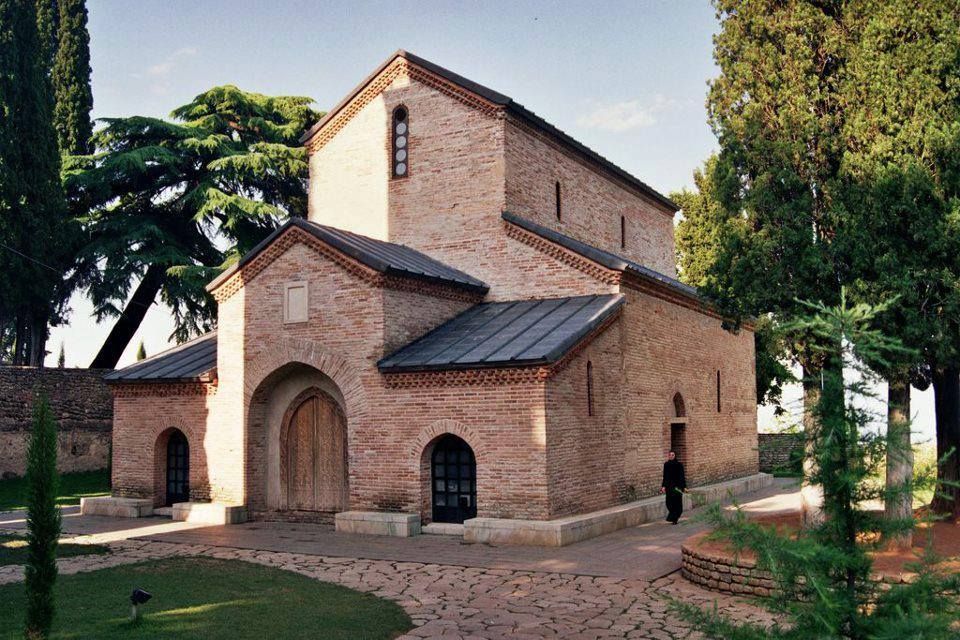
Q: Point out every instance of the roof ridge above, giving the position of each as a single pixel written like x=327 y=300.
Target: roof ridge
x=500 y=100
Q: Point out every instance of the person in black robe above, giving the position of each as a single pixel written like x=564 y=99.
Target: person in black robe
x=673 y=485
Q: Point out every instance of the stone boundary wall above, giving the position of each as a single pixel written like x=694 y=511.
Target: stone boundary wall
x=775 y=449
x=81 y=403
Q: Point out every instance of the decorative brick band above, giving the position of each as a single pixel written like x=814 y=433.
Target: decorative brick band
x=295 y=235
x=398 y=68
x=163 y=389
x=466 y=377
x=589 y=267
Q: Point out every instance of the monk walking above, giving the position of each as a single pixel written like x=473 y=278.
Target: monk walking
x=673 y=485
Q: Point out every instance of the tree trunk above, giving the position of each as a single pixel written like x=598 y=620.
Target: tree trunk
x=38 y=339
x=811 y=496
x=129 y=321
x=899 y=503
x=946 y=390
x=20 y=348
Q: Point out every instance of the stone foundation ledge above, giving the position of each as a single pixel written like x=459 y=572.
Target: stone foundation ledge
x=379 y=523
x=117 y=507
x=571 y=529
x=209 y=512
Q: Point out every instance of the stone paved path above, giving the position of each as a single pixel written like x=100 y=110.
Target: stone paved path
x=464 y=602
x=610 y=587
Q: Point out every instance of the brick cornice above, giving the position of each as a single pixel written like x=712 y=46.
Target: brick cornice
x=162 y=389
x=295 y=235
x=570 y=258
x=399 y=68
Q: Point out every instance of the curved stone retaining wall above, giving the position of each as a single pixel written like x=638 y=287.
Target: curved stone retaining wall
x=723 y=572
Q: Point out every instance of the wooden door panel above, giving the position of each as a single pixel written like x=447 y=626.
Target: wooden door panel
x=301 y=459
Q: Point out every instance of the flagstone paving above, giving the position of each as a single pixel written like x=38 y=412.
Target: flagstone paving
x=502 y=597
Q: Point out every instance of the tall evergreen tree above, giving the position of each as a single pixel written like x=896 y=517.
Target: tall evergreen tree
x=43 y=520
x=48 y=26
x=31 y=198
x=165 y=197
x=71 y=79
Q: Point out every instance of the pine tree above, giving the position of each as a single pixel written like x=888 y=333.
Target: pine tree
x=822 y=574
x=141 y=352
x=165 y=197
x=71 y=79
x=43 y=521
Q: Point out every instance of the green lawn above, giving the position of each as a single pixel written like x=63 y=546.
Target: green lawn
x=73 y=486
x=207 y=599
x=13 y=550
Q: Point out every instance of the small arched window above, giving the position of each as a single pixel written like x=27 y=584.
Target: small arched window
x=718 y=390
x=623 y=232
x=400 y=129
x=589 y=388
x=679 y=408
x=557 y=198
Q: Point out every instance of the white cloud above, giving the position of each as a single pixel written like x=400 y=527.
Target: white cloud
x=626 y=115
x=165 y=67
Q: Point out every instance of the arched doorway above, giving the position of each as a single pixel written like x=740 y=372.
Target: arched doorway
x=313 y=462
x=453 y=471
x=178 y=468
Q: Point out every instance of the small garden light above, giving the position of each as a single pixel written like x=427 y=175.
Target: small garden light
x=138 y=597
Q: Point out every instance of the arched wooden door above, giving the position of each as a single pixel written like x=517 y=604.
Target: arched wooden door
x=454 y=475
x=178 y=468
x=314 y=454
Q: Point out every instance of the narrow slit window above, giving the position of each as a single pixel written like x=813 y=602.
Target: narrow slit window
x=623 y=232
x=718 y=391
x=401 y=137
x=589 y=388
x=557 y=198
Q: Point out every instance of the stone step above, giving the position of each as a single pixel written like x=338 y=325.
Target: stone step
x=443 y=529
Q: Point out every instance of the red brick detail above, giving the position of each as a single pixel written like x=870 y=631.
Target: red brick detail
x=591 y=268
x=295 y=235
x=162 y=389
x=459 y=429
x=398 y=68
x=466 y=377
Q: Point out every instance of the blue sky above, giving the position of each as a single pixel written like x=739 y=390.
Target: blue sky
x=628 y=79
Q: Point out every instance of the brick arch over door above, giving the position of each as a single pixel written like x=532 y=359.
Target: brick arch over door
x=160 y=432
x=312 y=354
x=420 y=453
x=261 y=437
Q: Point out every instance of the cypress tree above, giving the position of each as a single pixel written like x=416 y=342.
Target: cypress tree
x=71 y=79
x=48 y=26
x=43 y=520
x=141 y=352
x=31 y=198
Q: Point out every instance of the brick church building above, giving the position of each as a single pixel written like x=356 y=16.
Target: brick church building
x=478 y=320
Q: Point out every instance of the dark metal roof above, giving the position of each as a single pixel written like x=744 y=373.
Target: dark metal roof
x=186 y=362
x=511 y=106
x=505 y=334
x=601 y=257
x=385 y=257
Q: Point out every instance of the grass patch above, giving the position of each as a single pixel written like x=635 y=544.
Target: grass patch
x=209 y=599
x=73 y=486
x=13 y=550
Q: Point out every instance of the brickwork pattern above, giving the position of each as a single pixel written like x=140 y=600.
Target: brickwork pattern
x=81 y=404
x=776 y=449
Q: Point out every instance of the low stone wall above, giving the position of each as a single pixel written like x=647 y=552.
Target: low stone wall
x=775 y=450
x=723 y=571
x=81 y=403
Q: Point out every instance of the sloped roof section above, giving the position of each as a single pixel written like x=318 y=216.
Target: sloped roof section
x=510 y=106
x=191 y=361
x=604 y=258
x=386 y=257
x=505 y=334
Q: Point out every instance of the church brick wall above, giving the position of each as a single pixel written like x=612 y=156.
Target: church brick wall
x=144 y=414
x=591 y=201
x=80 y=403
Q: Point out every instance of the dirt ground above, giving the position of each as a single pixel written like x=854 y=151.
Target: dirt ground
x=944 y=536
